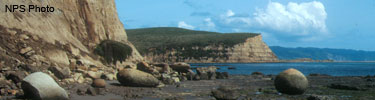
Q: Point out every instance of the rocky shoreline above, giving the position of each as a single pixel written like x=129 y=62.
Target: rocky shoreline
x=247 y=87
x=179 y=82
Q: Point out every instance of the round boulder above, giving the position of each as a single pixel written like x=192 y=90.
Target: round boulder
x=40 y=86
x=291 y=82
x=99 y=83
x=133 y=77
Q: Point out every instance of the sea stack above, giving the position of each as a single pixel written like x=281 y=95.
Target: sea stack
x=291 y=82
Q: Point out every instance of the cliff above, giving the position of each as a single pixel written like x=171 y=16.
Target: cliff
x=69 y=33
x=181 y=45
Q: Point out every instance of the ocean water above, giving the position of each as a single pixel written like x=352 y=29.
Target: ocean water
x=330 y=68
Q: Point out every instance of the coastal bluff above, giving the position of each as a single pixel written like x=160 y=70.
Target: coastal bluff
x=168 y=44
x=69 y=33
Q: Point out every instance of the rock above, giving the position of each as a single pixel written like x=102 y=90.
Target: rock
x=225 y=74
x=203 y=76
x=16 y=77
x=231 y=68
x=12 y=92
x=28 y=68
x=190 y=75
x=319 y=97
x=180 y=67
x=166 y=79
x=88 y=80
x=78 y=78
x=206 y=73
x=317 y=74
x=222 y=75
x=257 y=73
x=108 y=77
x=81 y=91
x=25 y=50
x=183 y=78
x=169 y=79
x=57 y=56
x=59 y=72
x=175 y=74
x=143 y=66
x=174 y=98
x=197 y=77
x=40 y=86
x=24 y=37
x=93 y=69
x=165 y=68
x=11 y=32
x=81 y=79
x=94 y=75
x=344 y=87
x=99 y=83
x=291 y=82
x=91 y=91
x=225 y=93
x=133 y=77
x=3 y=92
x=161 y=85
x=176 y=79
x=69 y=80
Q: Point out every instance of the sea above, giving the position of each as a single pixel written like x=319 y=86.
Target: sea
x=329 y=68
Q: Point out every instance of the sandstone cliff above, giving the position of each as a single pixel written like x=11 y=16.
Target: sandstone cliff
x=69 y=33
x=180 y=45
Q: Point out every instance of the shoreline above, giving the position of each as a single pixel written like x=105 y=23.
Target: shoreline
x=281 y=62
x=247 y=86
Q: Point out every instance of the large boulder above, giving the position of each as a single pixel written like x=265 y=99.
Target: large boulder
x=40 y=86
x=180 y=67
x=291 y=82
x=133 y=77
x=206 y=73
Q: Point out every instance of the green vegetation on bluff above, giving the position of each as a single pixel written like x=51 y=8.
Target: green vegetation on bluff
x=166 y=38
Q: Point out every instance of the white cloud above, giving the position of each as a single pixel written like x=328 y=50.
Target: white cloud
x=291 y=22
x=209 y=22
x=207 y=25
x=182 y=24
x=231 y=18
x=296 y=19
x=230 y=13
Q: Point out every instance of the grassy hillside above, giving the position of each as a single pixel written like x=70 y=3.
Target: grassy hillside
x=165 y=38
x=323 y=54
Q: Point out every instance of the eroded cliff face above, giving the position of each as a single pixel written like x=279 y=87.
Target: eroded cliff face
x=70 y=32
x=252 y=50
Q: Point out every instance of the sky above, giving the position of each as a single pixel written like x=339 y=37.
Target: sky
x=342 y=24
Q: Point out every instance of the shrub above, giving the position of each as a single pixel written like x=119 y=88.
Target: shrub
x=113 y=51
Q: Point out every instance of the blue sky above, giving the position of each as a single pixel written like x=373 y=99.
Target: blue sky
x=347 y=24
